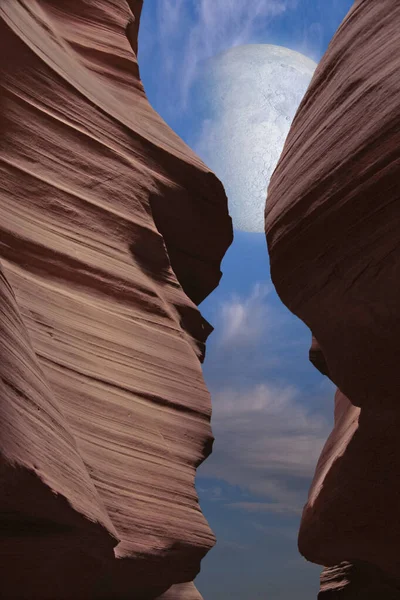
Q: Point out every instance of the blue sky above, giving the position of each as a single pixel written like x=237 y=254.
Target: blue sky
x=272 y=411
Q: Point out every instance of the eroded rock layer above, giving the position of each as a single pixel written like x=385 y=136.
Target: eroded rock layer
x=111 y=231
x=183 y=591
x=332 y=223
x=348 y=581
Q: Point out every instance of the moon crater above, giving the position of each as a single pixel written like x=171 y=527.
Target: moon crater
x=252 y=94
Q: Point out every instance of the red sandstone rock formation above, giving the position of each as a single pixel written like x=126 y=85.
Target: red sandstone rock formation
x=183 y=591
x=111 y=231
x=332 y=224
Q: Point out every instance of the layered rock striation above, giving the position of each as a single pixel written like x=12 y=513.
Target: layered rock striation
x=182 y=591
x=332 y=223
x=111 y=232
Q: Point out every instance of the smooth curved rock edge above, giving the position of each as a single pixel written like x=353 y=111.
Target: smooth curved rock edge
x=332 y=223
x=111 y=230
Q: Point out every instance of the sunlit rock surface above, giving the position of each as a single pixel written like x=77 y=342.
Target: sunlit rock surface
x=111 y=231
x=183 y=591
x=332 y=224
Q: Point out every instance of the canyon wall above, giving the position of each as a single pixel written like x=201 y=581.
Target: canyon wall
x=332 y=225
x=111 y=232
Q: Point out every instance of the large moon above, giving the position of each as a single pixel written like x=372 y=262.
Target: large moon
x=252 y=93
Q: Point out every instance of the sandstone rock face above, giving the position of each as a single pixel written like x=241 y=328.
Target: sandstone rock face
x=111 y=231
x=183 y=591
x=348 y=581
x=332 y=223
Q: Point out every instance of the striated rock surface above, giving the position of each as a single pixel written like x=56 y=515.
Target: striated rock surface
x=332 y=223
x=347 y=581
x=183 y=591
x=111 y=231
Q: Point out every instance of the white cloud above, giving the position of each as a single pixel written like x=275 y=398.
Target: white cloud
x=266 y=442
x=242 y=321
x=267 y=436
x=170 y=13
x=192 y=31
x=249 y=334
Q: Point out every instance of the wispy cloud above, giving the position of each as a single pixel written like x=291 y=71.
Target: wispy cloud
x=250 y=337
x=268 y=433
x=259 y=507
x=190 y=31
x=244 y=320
x=267 y=442
x=276 y=530
x=228 y=545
